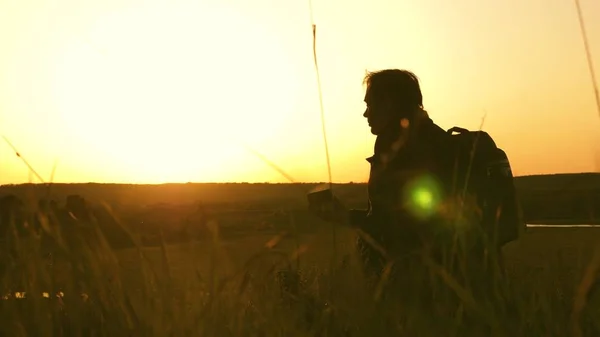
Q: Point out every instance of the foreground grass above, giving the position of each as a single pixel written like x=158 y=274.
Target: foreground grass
x=264 y=285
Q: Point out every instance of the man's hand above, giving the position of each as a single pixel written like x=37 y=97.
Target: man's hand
x=327 y=207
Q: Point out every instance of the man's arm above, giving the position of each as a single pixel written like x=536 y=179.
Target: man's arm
x=357 y=218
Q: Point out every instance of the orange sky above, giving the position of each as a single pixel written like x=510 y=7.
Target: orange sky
x=172 y=91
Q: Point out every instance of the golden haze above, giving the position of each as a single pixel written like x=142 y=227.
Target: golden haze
x=149 y=92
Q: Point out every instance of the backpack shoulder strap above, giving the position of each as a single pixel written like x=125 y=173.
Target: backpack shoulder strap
x=457 y=129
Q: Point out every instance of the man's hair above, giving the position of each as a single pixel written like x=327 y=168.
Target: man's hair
x=401 y=86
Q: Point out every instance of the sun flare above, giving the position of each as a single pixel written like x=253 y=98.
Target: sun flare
x=161 y=89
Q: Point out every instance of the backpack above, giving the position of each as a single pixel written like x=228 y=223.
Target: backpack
x=482 y=170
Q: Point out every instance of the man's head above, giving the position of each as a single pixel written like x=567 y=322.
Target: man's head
x=392 y=95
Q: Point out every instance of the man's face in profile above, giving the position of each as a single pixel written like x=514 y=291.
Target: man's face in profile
x=378 y=112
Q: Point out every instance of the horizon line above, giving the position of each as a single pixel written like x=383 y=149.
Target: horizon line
x=240 y=182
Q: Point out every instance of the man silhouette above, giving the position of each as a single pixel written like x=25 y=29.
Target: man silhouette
x=409 y=217
x=408 y=148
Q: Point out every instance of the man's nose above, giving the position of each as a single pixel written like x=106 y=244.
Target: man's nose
x=366 y=113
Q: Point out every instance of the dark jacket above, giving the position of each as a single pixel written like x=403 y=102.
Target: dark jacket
x=400 y=162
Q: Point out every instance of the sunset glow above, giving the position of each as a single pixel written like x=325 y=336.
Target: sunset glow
x=160 y=104
x=148 y=92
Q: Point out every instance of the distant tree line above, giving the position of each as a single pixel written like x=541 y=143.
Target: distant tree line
x=576 y=206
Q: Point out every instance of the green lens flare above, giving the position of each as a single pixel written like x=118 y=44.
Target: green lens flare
x=422 y=197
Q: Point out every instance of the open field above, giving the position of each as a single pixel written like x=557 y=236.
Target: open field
x=545 y=268
x=247 y=260
x=564 y=198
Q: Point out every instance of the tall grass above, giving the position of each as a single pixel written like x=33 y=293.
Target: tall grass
x=170 y=291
